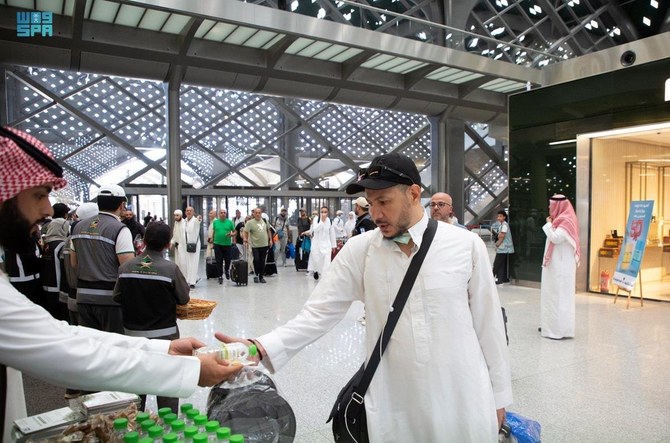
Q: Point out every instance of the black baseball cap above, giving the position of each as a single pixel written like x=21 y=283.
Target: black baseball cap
x=385 y=171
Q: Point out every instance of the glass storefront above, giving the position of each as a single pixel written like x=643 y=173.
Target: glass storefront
x=549 y=153
x=627 y=168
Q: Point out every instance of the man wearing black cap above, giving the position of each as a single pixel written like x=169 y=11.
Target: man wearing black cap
x=445 y=375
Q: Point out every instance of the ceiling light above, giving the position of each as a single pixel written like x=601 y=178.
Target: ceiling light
x=646 y=21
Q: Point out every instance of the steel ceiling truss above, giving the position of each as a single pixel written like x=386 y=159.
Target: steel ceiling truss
x=565 y=29
x=97 y=124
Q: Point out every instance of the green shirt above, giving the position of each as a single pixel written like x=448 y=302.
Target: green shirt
x=222 y=230
x=258 y=233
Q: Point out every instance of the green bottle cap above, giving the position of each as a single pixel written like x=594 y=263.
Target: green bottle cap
x=253 y=350
x=177 y=425
x=131 y=437
x=141 y=416
x=200 y=420
x=200 y=438
x=170 y=438
x=146 y=424
x=169 y=418
x=146 y=440
x=223 y=433
x=155 y=431
x=121 y=423
x=162 y=412
x=212 y=426
x=236 y=438
x=185 y=407
x=192 y=413
x=190 y=431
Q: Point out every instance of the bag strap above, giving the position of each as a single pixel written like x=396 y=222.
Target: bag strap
x=396 y=310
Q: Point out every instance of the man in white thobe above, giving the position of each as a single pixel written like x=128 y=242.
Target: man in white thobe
x=445 y=376
x=191 y=235
x=178 y=242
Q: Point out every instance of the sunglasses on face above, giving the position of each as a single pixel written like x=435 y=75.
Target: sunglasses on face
x=379 y=171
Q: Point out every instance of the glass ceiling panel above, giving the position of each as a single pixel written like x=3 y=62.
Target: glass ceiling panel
x=153 y=20
x=98 y=159
x=361 y=147
x=360 y=116
x=240 y=35
x=175 y=24
x=419 y=150
x=233 y=180
x=129 y=16
x=261 y=38
x=333 y=125
x=104 y=11
x=219 y=32
x=308 y=108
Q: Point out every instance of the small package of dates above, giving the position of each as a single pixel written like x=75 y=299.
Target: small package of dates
x=88 y=420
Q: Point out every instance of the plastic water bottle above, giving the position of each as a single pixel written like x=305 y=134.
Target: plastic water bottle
x=131 y=437
x=162 y=412
x=168 y=419
x=210 y=429
x=190 y=415
x=223 y=435
x=199 y=422
x=120 y=427
x=146 y=424
x=189 y=433
x=139 y=418
x=178 y=427
x=232 y=352
x=183 y=409
x=156 y=432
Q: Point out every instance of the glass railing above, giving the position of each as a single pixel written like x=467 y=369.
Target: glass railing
x=412 y=24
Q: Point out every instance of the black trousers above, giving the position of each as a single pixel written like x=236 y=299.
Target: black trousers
x=163 y=402
x=500 y=271
x=223 y=255
x=259 y=260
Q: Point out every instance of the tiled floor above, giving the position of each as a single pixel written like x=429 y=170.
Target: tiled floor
x=611 y=383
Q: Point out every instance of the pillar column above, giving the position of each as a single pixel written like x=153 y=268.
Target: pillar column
x=447 y=160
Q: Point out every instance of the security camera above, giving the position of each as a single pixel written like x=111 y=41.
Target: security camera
x=627 y=58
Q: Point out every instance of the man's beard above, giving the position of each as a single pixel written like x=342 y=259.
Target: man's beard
x=16 y=234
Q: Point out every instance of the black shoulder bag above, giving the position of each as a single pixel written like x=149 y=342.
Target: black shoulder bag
x=348 y=413
x=190 y=247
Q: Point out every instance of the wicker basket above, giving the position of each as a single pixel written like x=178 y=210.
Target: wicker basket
x=195 y=309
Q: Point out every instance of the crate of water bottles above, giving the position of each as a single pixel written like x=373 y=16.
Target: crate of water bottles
x=189 y=425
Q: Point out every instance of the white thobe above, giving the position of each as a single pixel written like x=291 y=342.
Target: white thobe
x=446 y=369
x=338 y=228
x=323 y=241
x=191 y=259
x=32 y=341
x=179 y=243
x=349 y=227
x=557 y=292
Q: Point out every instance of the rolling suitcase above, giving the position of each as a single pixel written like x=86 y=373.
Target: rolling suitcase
x=239 y=272
x=210 y=267
x=301 y=260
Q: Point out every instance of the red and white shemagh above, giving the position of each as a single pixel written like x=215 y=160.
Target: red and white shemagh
x=19 y=171
x=564 y=217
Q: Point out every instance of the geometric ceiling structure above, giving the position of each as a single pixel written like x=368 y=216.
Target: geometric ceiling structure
x=96 y=88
